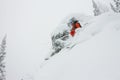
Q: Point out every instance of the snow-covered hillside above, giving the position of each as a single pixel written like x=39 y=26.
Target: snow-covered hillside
x=96 y=55
x=29 y=23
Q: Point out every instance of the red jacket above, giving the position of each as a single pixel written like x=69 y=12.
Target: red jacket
x=74 y=27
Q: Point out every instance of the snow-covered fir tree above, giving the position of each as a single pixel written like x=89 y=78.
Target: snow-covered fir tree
x=58 y=41
x=116 y=6
x=99 y=8
x=2 y=56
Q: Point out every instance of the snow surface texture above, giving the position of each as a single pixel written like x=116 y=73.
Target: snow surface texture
x=98 y=58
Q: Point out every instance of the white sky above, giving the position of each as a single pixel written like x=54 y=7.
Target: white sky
x=28 y=24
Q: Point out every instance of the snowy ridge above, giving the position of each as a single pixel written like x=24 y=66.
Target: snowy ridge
x=97 y=58
x=91 y=26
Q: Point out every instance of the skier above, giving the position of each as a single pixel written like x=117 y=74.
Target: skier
x=75 y=24
x=61 y=40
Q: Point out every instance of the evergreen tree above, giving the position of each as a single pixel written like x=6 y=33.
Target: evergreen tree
x=58 y=41
x=2 y=56
x=116 y=6
x=99 y=8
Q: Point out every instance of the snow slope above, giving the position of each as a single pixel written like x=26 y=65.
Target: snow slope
x=97 y=58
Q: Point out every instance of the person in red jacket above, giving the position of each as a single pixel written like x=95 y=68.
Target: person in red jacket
x=75 y=24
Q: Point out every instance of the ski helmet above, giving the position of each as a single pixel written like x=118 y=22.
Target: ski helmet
x=71 y=21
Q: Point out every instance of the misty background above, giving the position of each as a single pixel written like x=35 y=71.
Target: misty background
x=28 y=25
